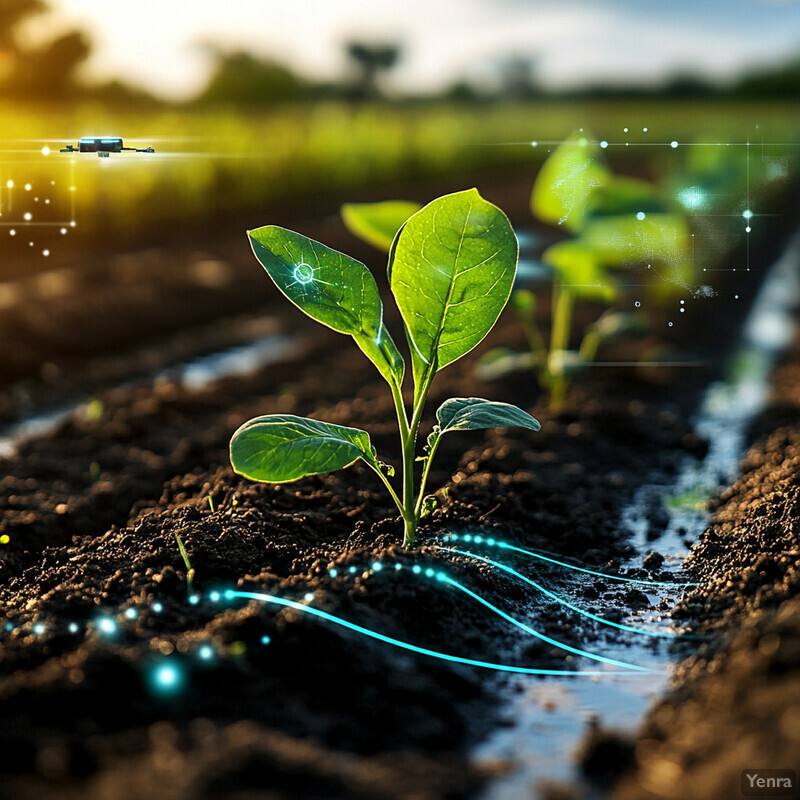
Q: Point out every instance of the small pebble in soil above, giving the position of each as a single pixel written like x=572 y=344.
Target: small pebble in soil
x=653 y=561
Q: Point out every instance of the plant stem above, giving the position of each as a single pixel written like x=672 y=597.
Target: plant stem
x=189 y=567
x=559 y=340
x=424 y=480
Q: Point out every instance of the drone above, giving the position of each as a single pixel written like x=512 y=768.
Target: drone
x=103 y=146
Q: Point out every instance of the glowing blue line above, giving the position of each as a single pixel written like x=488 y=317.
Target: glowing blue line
x=506 y=546
x=562 y=601
x=268 y=598
x=613 y=661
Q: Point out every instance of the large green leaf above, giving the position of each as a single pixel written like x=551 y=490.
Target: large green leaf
x=331 y=288
x=473 y=413
x=282 y=447
x=579 y=270
x=566 y=180
x=451 y=269
x=377 y=223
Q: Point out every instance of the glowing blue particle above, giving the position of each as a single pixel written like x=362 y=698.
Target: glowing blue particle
x=194 y=599
x=747 y=213
x=229 y=594
x=167 y=678
x=309 y=597
x=416 y=569
x=157 y=608
x=673 y=144
x=640 y=215
x=478 y=539
x=440 y=576
x=38 y=628
x=214 y=597
x=534 y=144
x=352 y=570
x=502 y=544
x=604 y=144
x=747 y=229
x=9 y=627
x=377 y=566
x=333 y=572
x=206 y=652
x=467 y=537
x=454 y=537
x=429 y=573
x=131 y=613
x=73 y=627
x=692 y=197
x=265 y=639
x=303 y=273
x=491 y=542
x=107 y=626
x=398 y=566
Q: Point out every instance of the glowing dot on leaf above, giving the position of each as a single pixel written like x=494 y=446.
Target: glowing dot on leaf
x=640 y=215
x=747 y=213
x=303 y=273
x=673 y=144
x=604 y=144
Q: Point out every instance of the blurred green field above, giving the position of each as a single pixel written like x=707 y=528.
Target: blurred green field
x=212 y=163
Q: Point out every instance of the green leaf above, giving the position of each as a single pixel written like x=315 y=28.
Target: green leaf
x=579 y=269
x=282 y=447
x=566 y=180
x=329 y=286
x=622 y=195
x=473 y=413
x=332 y=288
x=501 y=361
x=451 y=269
x=627 y=239
x=615 y=324
x=378 y=223
x=523 y=302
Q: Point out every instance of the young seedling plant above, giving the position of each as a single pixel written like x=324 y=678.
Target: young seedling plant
x=616 y=222
x=451 y=268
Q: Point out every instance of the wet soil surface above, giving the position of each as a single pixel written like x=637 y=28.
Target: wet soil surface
x=736 y=703
x=269 y=702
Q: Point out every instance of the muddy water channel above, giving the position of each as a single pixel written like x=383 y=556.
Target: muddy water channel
x=546 y=719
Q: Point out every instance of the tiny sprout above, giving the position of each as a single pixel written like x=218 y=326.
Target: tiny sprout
x=451 y=268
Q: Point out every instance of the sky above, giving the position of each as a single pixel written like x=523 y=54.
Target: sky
x=156 y=43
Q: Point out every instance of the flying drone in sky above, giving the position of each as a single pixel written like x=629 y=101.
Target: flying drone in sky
x=103 y=146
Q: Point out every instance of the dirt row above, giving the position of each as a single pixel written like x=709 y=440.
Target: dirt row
x=736 y=703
